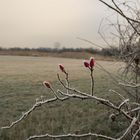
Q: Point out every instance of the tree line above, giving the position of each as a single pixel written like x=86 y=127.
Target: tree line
x=112 y=51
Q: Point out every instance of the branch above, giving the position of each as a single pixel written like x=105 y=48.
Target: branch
x=85 y=135
x=119 y=11
x=90 y=42
x=129 y=85
x=123 y=103
x=115 y=80
x=71 y=135
x=73 y=95
x=134 y=110
x=136 y=134
x=128 y=129
x=35 y=106
x=101 y=100
x=92 y=82
x=121 y=96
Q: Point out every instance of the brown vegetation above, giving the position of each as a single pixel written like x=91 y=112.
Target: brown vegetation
x=77 y=55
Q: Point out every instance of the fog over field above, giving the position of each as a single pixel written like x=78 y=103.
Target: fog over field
x=40 y=23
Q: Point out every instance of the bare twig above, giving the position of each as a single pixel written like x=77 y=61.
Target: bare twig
x=123 y=103
x=128 y=129
x=71 y=136
x=90 y=42
x=136 y=134
x=120 y=95
x=92 y=82
x=101 y=100
x=35 y=106
x=128 y=85
x=119 y=11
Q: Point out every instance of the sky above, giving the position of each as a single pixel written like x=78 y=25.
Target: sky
x=41 y=23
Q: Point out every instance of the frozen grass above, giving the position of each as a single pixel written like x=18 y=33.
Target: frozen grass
x=21 y=83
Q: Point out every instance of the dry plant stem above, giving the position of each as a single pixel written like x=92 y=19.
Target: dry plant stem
x=136 y=81
x=71 y=136
x=92 y=82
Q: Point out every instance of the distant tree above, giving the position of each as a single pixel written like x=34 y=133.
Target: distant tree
x=57 y=45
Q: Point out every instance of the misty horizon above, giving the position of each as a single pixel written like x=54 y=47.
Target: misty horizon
x=34 y=23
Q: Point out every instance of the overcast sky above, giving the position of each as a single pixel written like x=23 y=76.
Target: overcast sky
x=40 y=23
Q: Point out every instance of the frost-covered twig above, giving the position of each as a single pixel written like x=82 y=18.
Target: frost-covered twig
x=71 y=136
x=129 y=128
x=123 y=103
x=136 y=134
x=120 y=12
x=85 y=135
x=66 y=75
x=101 y=100
x=35 y=106
x=120 y=95
x=128 y=85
